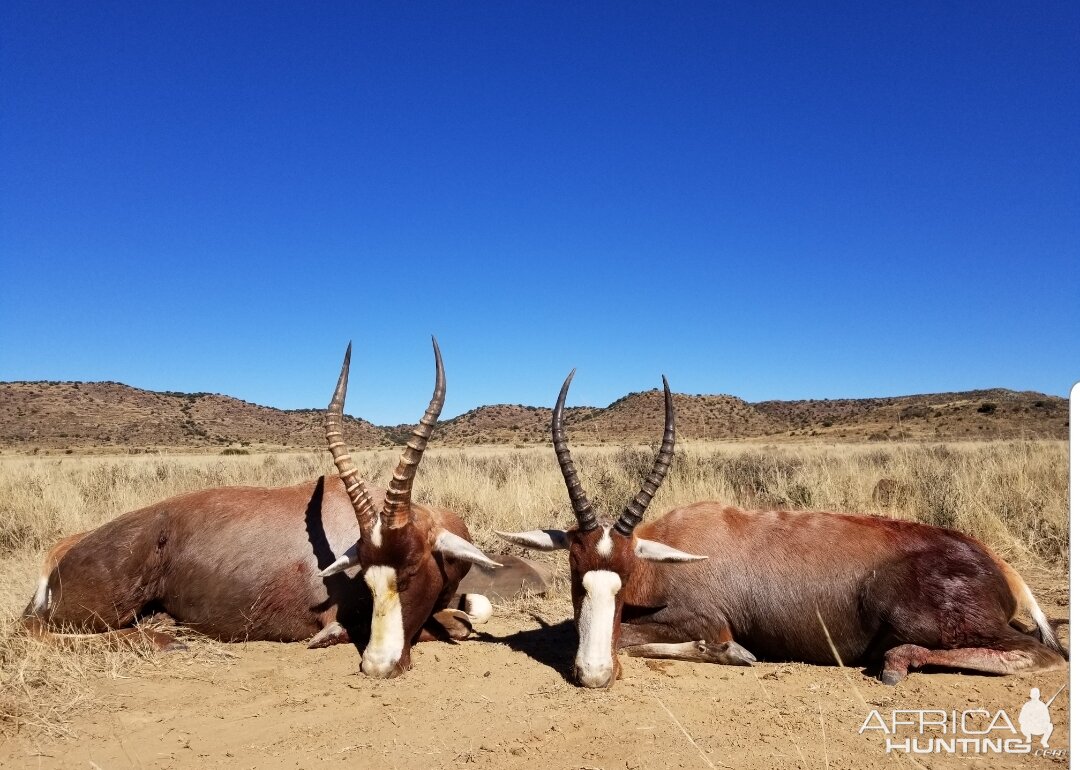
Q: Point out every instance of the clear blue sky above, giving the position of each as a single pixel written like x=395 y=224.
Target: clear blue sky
x=836 y=200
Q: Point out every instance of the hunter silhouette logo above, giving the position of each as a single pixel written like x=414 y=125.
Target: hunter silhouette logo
x=1035 y=717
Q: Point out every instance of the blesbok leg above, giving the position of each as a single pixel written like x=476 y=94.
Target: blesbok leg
x=446 y=625
x=333 y=633
x=723 y=653
x=648 y=640
x=1016 y=653
x=120 y=638
x=455 y=617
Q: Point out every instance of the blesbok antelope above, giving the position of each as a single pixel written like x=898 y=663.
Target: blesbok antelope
x=331 y=561
x=705 y=579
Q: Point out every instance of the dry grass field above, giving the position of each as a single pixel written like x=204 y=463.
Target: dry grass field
x=136 y=708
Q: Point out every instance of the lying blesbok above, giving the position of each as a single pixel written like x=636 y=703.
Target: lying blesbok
x=790 y=585
x=245 y=563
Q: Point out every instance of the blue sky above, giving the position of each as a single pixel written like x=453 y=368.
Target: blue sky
x=767 y=200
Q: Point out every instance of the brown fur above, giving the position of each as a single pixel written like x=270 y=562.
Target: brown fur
x=816 y=586
x=241 y=563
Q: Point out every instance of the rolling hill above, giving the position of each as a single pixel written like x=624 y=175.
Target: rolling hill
x=104 y=415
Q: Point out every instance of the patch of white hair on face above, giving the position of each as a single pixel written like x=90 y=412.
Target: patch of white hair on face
x=376 y=533
x=387 y=639
x=604 y=546
x=596 y=623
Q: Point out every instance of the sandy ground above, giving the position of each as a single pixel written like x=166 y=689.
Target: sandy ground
x=502 y=701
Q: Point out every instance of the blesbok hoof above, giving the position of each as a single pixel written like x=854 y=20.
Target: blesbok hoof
x=727 y=653
x=458 y=624
x=164 y=642
x=334 y=633
x=892 y=678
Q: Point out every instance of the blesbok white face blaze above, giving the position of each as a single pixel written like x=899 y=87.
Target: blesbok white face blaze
x=387 y=640
x=594 y=666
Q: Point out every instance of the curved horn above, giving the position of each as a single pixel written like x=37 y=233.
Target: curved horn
x=354 y=486
x=583 y=509
x=635 y=509
x=399 y=492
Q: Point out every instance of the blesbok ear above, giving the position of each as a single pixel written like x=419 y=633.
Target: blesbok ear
x=459 y=548
x=650 y=550
x=540 y=539
x=350 y=558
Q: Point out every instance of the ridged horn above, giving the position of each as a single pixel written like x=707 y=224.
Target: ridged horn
x=635 y=509
x=399 y=492
x=335 y=438
x=583 y=509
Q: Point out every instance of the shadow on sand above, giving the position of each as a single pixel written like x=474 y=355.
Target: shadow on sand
x=552 y=645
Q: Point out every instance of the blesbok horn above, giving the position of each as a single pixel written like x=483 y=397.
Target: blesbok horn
x=335 y=438
x=583 y=509
x=635 y=509
x=399 y=491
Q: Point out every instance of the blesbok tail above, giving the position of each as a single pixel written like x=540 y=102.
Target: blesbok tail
x=38 y=618
x=1043 y=630
x=39 y=604
x=1025 y=600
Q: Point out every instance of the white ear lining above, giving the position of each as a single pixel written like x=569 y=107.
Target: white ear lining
x=540 y=539
x=459 y=548
x=651 y=550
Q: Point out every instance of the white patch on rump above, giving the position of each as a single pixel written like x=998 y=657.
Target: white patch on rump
x=42 y=595
x=1045 y=629
x=387 y=640
x=596 y=627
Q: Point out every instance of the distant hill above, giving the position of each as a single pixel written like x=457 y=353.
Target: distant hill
x=102 y=414
x=641 y=415
x=505 y=423
x=972 y=414
x=73 y=415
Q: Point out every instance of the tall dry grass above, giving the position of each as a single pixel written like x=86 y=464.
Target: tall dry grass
x=1011 y=495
